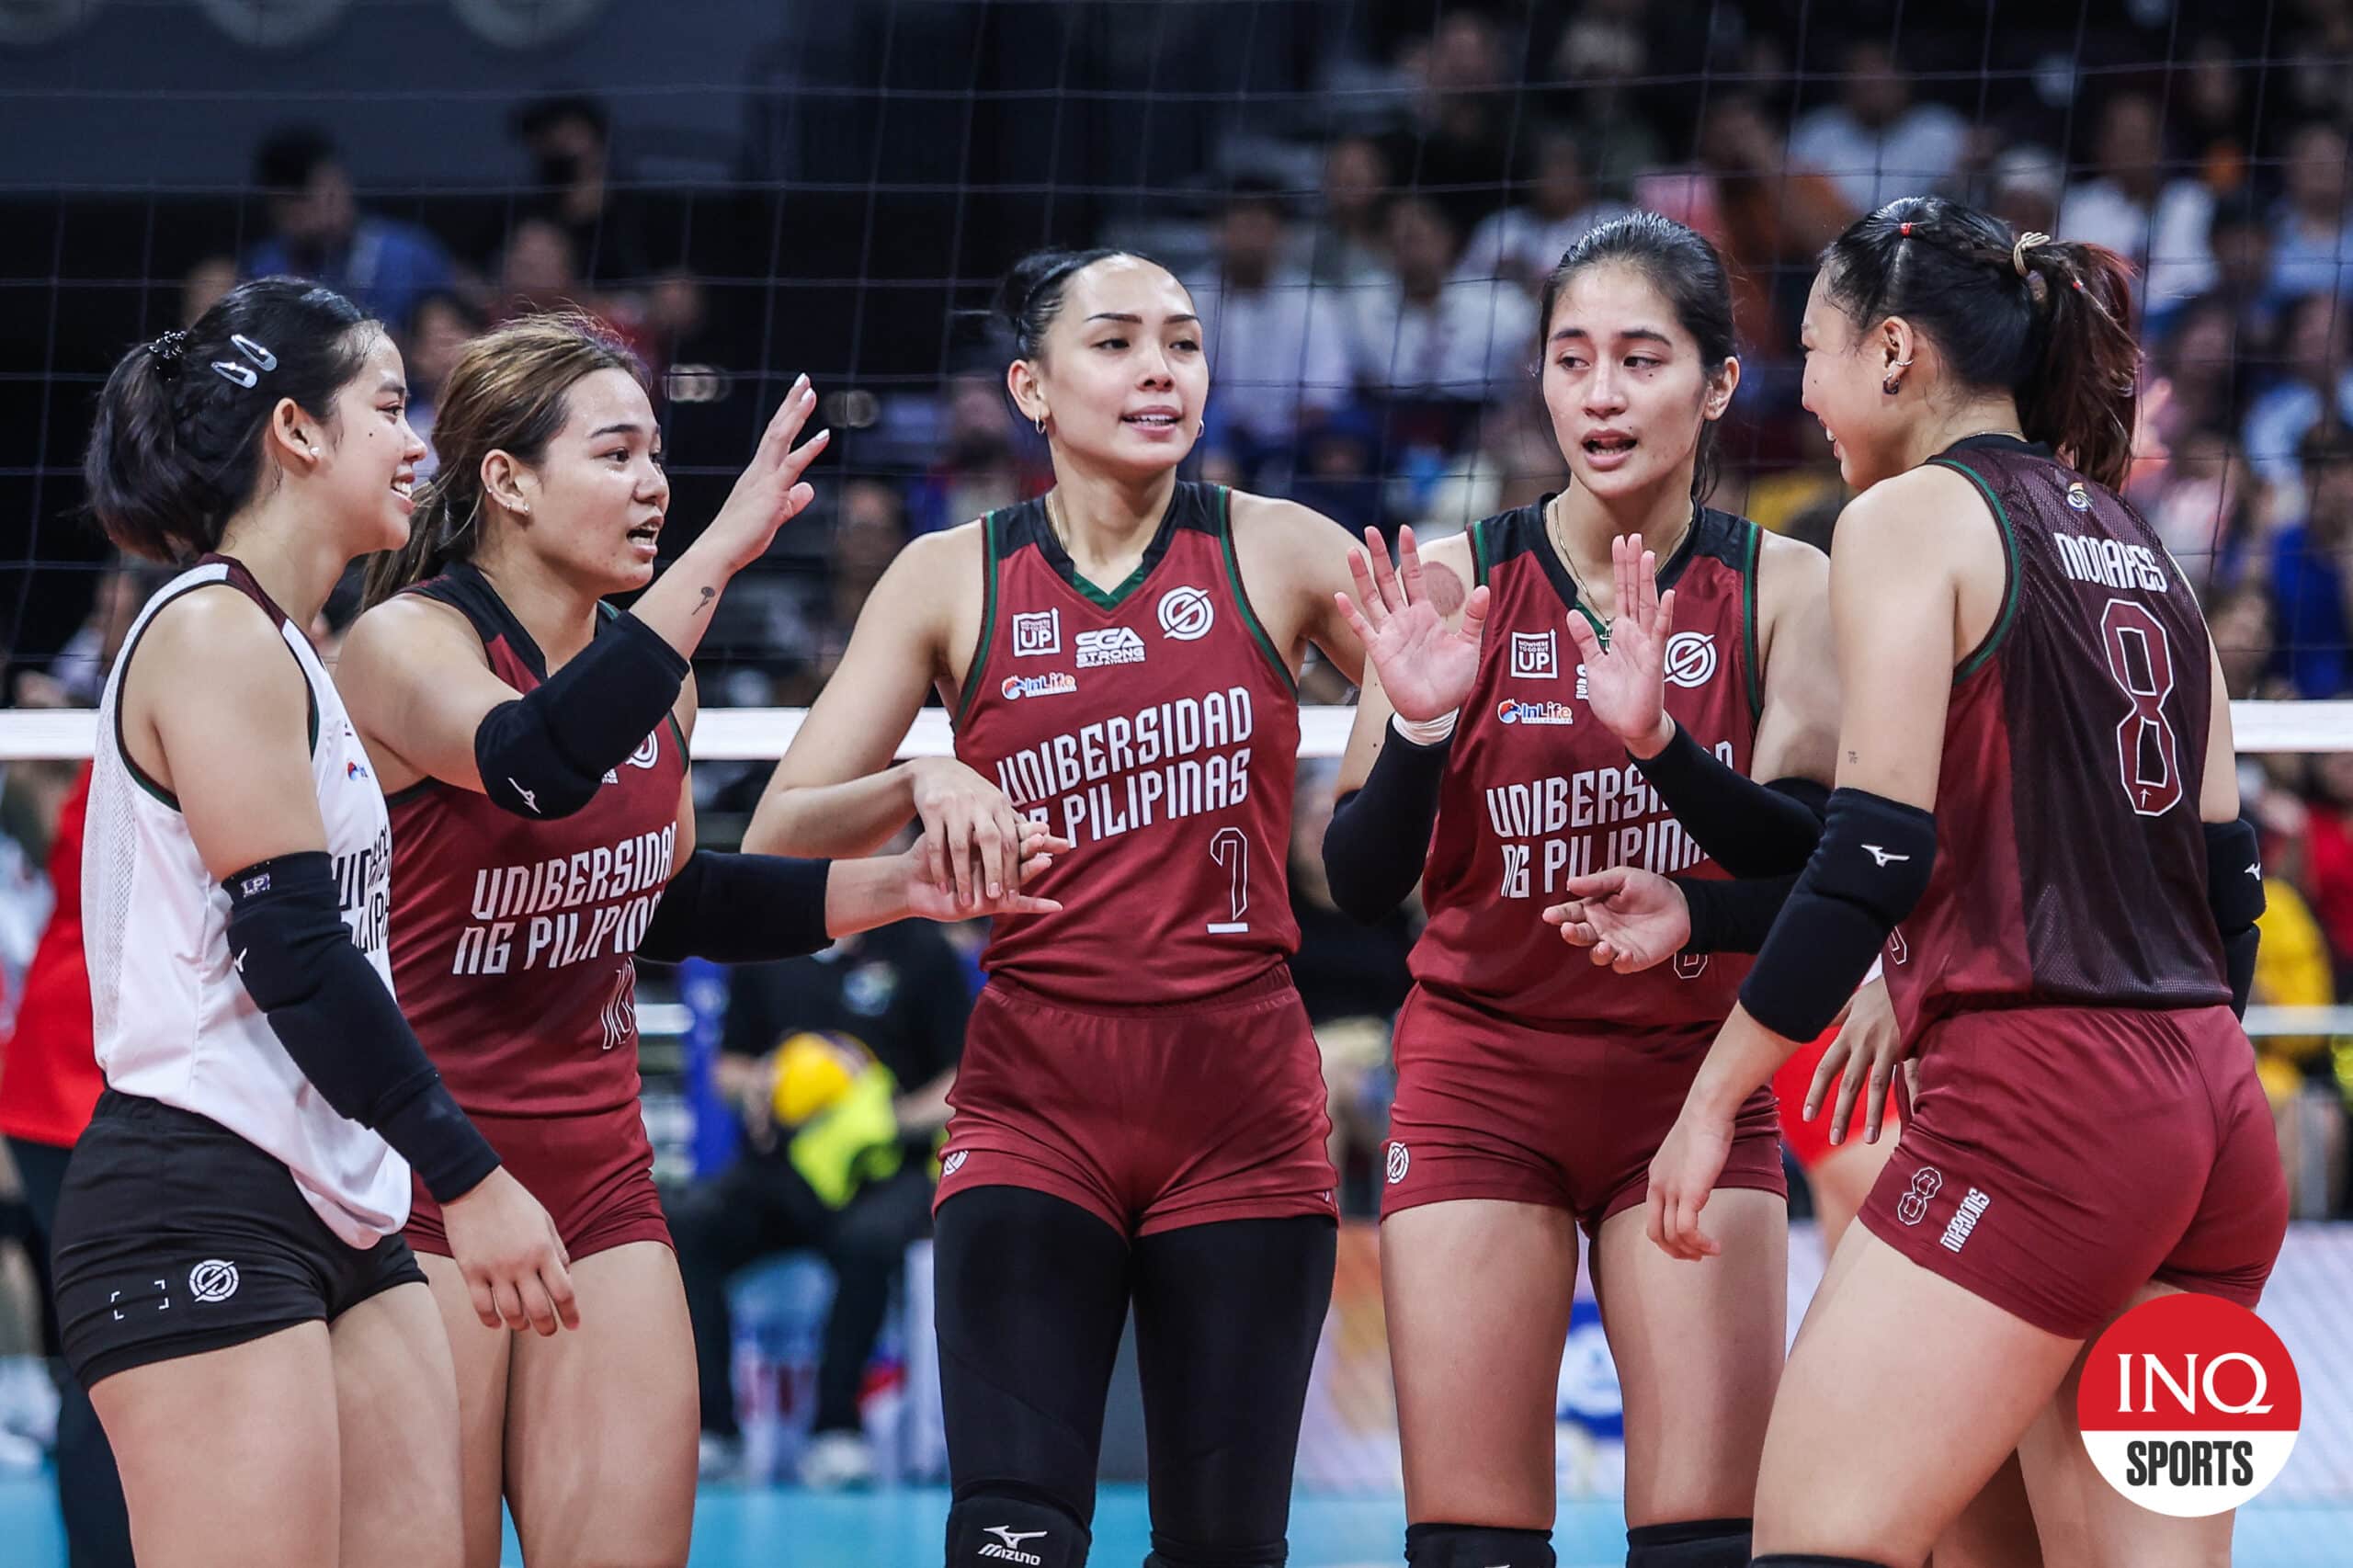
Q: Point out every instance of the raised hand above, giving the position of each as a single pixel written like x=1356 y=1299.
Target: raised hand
x=1628 y=918
x=1425 y=666
x=769 y=492
x=1625 y=684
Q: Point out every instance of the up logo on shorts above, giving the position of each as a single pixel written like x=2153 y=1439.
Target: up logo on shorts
x=214 y=1279
x=1913 y=1206
x=1400 y=1162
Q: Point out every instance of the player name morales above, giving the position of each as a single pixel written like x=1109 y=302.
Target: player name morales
x=2110 y=563
x=1170 y=760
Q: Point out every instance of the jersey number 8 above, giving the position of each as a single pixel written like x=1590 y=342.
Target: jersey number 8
x=2148 y=755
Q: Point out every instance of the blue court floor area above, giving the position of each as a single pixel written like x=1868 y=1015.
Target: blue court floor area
x=749 y=1526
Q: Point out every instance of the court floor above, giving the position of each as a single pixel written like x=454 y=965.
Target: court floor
x=785 y=1528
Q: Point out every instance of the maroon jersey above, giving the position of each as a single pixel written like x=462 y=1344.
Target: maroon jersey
x=1538 y=791
x=1155 y=726
x=2071 y=864
x=512 y=938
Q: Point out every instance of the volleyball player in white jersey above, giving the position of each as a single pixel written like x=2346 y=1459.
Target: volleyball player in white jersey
x=230 y=1279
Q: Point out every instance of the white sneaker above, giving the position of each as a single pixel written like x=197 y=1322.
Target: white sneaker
x=718 y=1459
x=836 y=1459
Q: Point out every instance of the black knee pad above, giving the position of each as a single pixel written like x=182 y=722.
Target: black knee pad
x=999 y=1530
x=1476 y=1546
x=1810 y=1560
x=1689 y=1543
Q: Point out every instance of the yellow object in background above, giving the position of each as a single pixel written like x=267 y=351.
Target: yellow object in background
x=813 y=1071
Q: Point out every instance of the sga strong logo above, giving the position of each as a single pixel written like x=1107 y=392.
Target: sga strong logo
x=2189 y=1406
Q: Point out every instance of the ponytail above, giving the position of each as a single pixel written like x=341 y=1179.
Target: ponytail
x=2082 y=396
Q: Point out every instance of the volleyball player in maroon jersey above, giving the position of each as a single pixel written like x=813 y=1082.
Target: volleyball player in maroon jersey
x=533 y=747
x=1532 y=1089
x=2036 y=780
x=1139 y=1111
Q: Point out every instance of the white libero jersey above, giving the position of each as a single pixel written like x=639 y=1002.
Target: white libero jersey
x=174 y=1021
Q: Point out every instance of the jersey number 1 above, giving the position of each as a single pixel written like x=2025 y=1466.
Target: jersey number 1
x=2147 y=753
x=1231 y=848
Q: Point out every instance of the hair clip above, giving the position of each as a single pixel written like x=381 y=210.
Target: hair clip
x=262 y=358
x=169 y=347
x=230 y=370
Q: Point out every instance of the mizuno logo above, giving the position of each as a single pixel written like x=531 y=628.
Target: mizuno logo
x=2256 y=871
x=1882 y=857
x=1007 y=1545
x=240 y=960
x=530 y=798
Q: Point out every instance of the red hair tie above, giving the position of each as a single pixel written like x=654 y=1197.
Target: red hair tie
x=1904 y=231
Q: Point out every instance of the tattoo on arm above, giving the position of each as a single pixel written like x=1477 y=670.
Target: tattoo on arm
x=709 y=593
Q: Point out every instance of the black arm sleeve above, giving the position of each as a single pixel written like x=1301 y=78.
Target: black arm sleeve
x=543 y=754
x=1733 y=917
x=2234 y=892
x=337 y=1019
x=1380 y=837
x=1749 y=829
x=739 y=909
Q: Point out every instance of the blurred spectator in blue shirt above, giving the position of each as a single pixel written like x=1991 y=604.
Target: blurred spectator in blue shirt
x=2311 y=246
x=2312 y=571
x=319 y=231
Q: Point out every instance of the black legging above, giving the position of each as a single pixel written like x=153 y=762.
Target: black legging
x=1032 y=1292
x=89 y=1494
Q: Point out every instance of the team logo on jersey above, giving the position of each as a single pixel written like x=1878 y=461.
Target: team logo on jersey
x=1111 y=645
x=1898 y=949
x=1512 y=711
x=1037 y=632
x=1913 y=1206
x=1690 y=659
x=1690 y=966
x=2078 y=497
x=1058 y=684
x=1400 y=1162
x=214 y=1279
x=950 y=1164
x=353 y=771
x=1536 y=655
x=648 y=752
x=1187 y=614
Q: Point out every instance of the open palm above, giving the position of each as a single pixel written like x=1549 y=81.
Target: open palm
x=1425 y=666
x=1625 y=684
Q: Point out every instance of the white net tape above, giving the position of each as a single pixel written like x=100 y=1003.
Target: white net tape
x=762 y=735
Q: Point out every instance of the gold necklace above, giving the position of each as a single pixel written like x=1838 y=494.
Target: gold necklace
x=1554 y=532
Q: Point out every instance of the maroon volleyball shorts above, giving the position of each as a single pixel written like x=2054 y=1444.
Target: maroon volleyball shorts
x=593 y=1173
x=1489 y=1106
x=1150 y=1118
x=2059 y=1158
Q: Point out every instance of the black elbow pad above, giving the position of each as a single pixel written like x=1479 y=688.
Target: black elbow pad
x=543 y=754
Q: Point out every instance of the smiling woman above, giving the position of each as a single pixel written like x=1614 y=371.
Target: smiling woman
x=534 y=746
x=1119 y=656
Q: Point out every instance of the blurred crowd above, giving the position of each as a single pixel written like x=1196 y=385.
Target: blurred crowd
x=1370 y=290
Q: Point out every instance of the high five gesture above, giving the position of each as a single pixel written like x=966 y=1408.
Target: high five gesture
x=1425 y=665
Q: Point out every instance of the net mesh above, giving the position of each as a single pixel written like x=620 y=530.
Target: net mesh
x=1364 y=196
